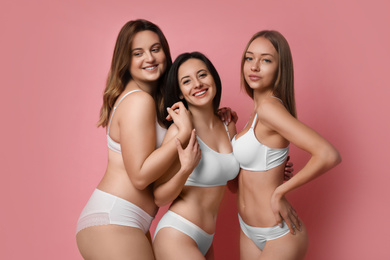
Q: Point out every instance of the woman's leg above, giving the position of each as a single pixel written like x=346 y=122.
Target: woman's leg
x=248 y=249
x=287 y=247
x=114 y=242
x=210 y=254
x=172 y=244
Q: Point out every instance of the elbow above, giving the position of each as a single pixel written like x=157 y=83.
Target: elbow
x=140 y=183
x=338 y=158
x=160 y=202
x=332 y=157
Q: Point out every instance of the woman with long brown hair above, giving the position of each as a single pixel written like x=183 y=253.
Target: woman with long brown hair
x=115 y=222
x=270 y=227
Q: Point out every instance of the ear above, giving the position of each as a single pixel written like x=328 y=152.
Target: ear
x=181 y=96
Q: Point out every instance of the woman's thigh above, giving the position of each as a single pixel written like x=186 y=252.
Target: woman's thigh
x=114 y=242
x=248 y=249
x=287 y=247
x=172 y=244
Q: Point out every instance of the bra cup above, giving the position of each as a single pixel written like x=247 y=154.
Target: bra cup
x=255 y=156
x=214 y=169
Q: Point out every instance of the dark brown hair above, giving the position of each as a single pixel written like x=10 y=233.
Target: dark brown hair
x=172 y=91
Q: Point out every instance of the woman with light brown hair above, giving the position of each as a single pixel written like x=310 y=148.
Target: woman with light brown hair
x=115 y=222
x=270 y=227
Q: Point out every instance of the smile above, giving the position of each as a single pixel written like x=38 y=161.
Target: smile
x=197 y=94
x=151 y=68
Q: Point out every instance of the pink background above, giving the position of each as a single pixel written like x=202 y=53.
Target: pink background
x=55 y=56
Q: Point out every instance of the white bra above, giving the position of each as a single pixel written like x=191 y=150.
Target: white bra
x=214 y=169
x=255 y=156
x=116 y=147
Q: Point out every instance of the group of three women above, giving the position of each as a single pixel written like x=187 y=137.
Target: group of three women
x=190 y=163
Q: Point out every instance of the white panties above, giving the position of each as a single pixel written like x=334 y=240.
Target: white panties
x=173 y=220
x=106 y=209
x=261 y=235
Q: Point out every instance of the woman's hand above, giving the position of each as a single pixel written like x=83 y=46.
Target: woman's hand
x=191 y=155
x=283 y=210
x=180 y=116
x=288 y=169
x=169 y=187
x=227 y=115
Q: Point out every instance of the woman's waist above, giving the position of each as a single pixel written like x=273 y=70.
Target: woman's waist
x=203 y=217
x=254 y=202
x=123 y=188
x=206 y=199
x=257 y=214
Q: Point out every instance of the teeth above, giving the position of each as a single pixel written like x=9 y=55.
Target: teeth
x=150 y=68
x=200 y=93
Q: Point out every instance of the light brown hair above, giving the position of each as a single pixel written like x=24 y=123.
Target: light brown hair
x=119 y=74
x=284 y=83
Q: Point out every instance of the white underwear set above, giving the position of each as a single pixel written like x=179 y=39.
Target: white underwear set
x=106 y=209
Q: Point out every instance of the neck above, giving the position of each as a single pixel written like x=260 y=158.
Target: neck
x=147 y=87
x=259 y=96
x=203 y=117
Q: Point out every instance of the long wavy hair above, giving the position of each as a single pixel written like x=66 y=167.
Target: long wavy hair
x=119 y=74
x=172 y=91
x=284 y=84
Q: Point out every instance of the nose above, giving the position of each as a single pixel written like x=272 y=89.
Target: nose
x=150 y=57
x=255 y=66
x=197 y=83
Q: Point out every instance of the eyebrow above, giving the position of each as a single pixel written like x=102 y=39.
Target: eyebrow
x=136 y=49
x=201 y=70
x=184 y=78
x=263 y=54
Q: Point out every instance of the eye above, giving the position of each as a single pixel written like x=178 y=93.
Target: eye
x=156 y=49
x=137 y=54
x=203 y=75
x=248 y=58
x=267 y=61
x=185 y=82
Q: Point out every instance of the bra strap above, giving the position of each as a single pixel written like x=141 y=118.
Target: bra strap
x=113 y=111
x=227 y=131
x=254 y=121
x=277 y=99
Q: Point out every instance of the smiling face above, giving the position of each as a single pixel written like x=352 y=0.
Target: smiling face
x=261 y=65
x=148 y=61
x=196 y=83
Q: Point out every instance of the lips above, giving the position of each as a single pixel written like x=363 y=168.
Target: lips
x=254 y=77
x=200 y=93
x=150 y=68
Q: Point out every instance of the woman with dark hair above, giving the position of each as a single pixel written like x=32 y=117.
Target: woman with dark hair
x=268 y=222
x=186 y=230
x=115 y=222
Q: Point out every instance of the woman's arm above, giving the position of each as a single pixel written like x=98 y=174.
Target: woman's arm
x=137 y=125
x=168 y=187
x=323 y=155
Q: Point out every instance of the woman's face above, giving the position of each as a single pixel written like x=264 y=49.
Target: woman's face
x=261 y=64
x=148 y=61
x=196 y=83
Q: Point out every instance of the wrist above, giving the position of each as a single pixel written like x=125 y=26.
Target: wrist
x=185 y=171
x=184 y=135
x=278 y=193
